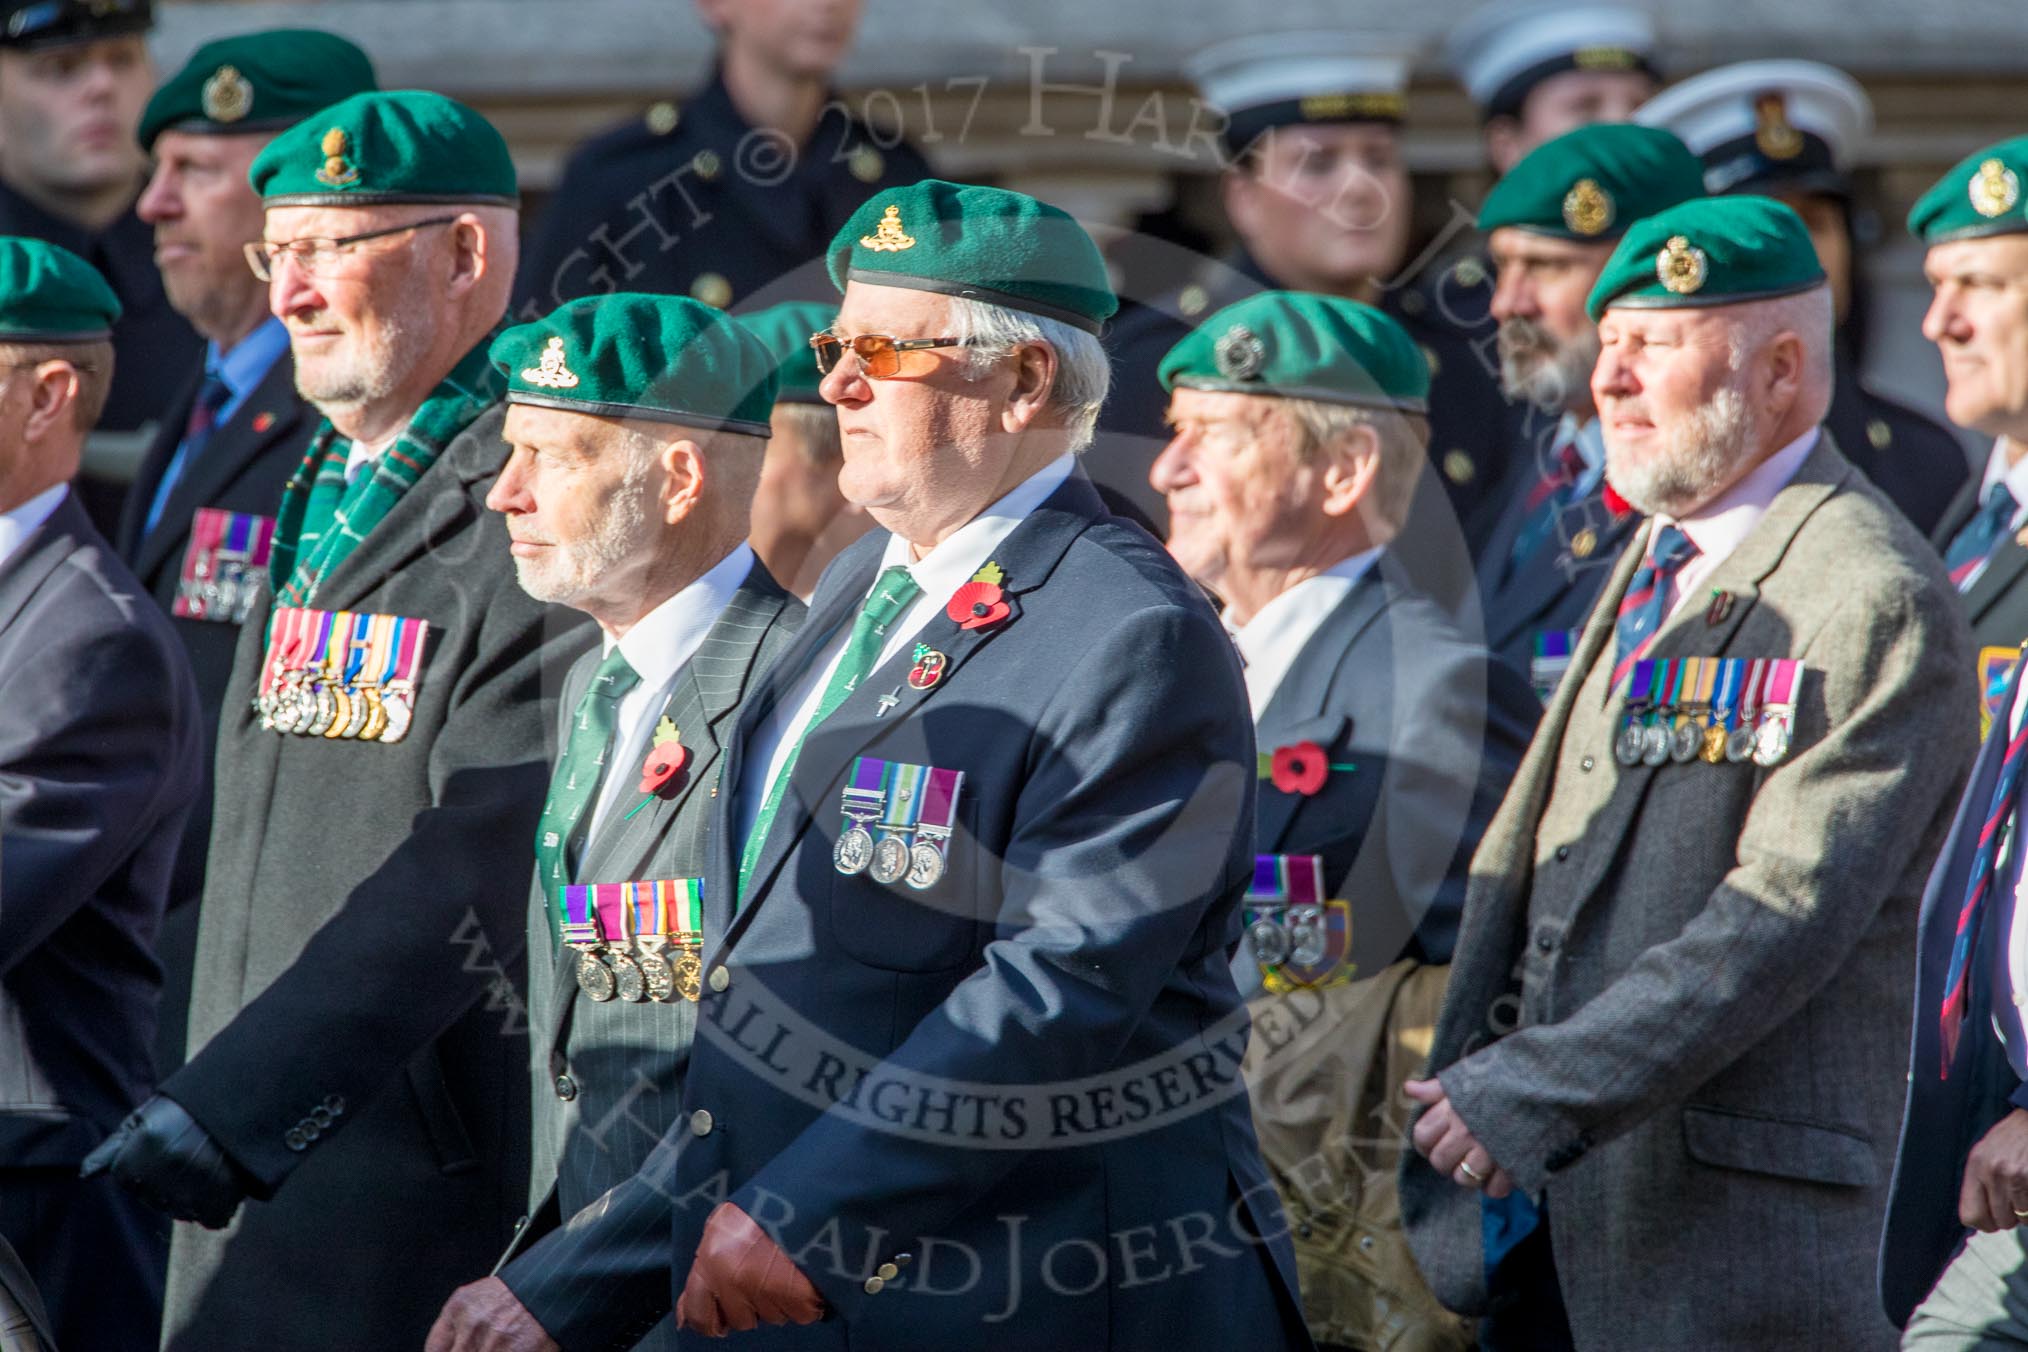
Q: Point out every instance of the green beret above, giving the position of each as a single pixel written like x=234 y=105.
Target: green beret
x=1980 y=196
x=785 y=331
x=50 y=295
x=1709 y=251
x=1300 y=345
x=404 y=145
x=629 y=355
x=257 y=82
x=1594 y=183
x=987 y=244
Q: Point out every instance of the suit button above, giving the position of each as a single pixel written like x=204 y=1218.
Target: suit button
x=293 y=1139
x=888 y=1272
x=566 y=1088
x=334 y=1104
x=720 y=978
x=700 y=1123
x=874 y=1286
x=1586 y=764
x=1562 y=853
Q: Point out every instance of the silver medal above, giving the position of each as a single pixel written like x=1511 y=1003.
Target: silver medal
x=627 y=978
x=1270 y=941
x=925 y=866
x=1739 y=743
x=854 y=851
x=1685 y=741
x=594 y=978
x=890 y=860
x=1654 y=744
x=1306 y=936
x=1771 y=743
x=1627 y=746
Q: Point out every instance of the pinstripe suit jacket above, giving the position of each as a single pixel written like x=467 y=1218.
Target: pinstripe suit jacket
x=1706 y=969
x=608 y=1077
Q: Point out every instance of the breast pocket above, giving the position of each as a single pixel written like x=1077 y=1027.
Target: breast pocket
x=899 y=927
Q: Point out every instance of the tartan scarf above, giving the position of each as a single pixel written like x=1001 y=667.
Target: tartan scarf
x=323 y=518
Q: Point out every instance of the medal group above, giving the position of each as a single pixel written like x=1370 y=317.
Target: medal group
x=636 y=941
x=1300 y=940
x=1714 y=709
x=913 y=808
x=341 y=674
x=228 y=554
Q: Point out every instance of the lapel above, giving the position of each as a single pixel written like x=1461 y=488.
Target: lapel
x=1027 y=556
x=420 y=518
x=47 y=546
x=1687 y=633
x=1296 y=711
x=705 y=693
x=1960 y=511
x=2002 y=571
x=1551 y=574
x=141 y=493
x=233 y=446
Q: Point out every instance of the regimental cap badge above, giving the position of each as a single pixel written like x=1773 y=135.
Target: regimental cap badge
x=1995 y=188
x=1681 y=266
x=888 y=236
x=551 y=373
x=228 y=96
x=1240 y=353
x=337 y=172
x=1587 y=208
x=1776 y=136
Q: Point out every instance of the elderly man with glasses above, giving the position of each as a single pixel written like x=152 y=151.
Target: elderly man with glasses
x=978 y=864
x=382 y=764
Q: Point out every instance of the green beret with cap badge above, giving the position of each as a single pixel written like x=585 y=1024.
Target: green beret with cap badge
x=1980 y=196
x=1594 y=183
x=403 y=145
x=630 y=355
x=986 y=244
x=1299 y=345
x=256 y=82
x=1709 y=251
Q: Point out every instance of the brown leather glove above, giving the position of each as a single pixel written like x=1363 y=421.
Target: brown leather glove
x=741 y=1278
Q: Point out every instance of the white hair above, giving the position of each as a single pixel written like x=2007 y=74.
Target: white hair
x=1083 y=373
x=1809 y=316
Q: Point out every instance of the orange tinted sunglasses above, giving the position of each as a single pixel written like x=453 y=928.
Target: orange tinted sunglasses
x=879 y=353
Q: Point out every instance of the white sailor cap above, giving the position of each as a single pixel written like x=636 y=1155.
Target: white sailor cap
x=1504 y=49
x=1767 y=124
x=1280 y=79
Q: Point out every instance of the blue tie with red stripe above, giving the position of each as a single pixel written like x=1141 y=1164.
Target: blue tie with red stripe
x=1980 y=882
x=1974 y=542
x=1643 y=607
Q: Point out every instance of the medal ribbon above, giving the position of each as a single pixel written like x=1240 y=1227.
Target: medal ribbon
x=1781 y=686
x=940 y=803
x=645 y=901
x=612 y=906
x=410 y=651
x=1305 y=879
x=683 y=909
x=1756 y=682
x=1267 y=879
x=904 y=796
x=1732 y=669
x=1658 y=690
x=580 y=926
x=1640 y=687
x=239 y=530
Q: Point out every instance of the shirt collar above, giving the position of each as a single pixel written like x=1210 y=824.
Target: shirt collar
x=1718 y=526
x=1589 y=438
x=23 y=521
x=2015 y=476
x=1270 y=642
x=669 y=635
x=951 y=564
x=250 y=359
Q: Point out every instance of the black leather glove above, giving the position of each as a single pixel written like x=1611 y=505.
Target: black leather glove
x=165 y=1158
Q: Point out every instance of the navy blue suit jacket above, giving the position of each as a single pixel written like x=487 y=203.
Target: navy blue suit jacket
x=1944 y=1118
x=1020 y=1088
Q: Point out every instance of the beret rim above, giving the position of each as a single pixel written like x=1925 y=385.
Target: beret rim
x=907 y=281
x=601 y=409
x=1321 y=394
x=36 y=337
x=1985 y=230
x=204 y=126
x=370 y=198
x=1609 y=235
x=1697 y=300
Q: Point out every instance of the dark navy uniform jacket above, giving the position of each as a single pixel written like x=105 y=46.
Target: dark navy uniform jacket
x=692 y=201
x=1015 y=1094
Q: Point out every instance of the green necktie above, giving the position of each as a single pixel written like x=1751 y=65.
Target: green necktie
x=576 y=781
x=893 y=592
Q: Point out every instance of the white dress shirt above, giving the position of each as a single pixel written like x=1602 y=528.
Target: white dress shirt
x=360 y=454
x=939 y=573
x=1718 y=527
x=21 y=522
x=656 y=648
x=1271 y=641
x=1589 y=438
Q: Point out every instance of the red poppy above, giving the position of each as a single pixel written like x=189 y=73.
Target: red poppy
x=976 y=605
x=1300 y=768
x=663 y=765
x=1616 y=504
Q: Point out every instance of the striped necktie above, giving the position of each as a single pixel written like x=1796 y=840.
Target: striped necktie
x=211 y=397
x=1980 y=881
x=1550 y=496
x=559 y=834
x=1974 y=542
x=1647 y=598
